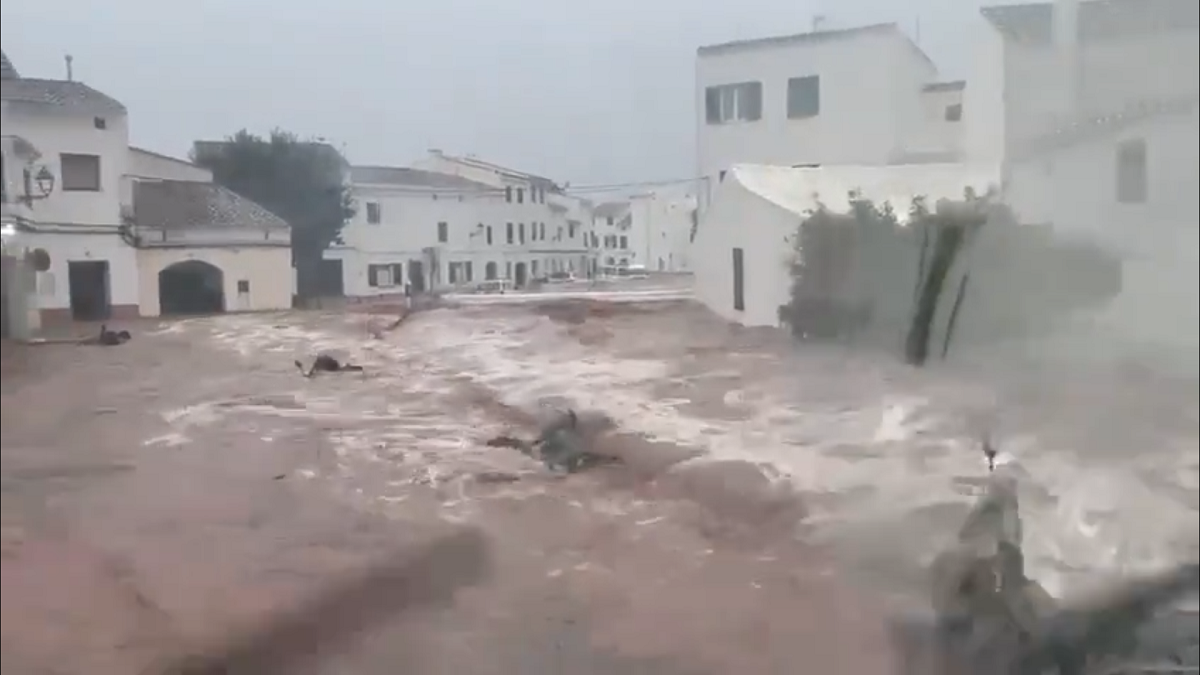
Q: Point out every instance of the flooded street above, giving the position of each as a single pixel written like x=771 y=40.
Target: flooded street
x=194 y=480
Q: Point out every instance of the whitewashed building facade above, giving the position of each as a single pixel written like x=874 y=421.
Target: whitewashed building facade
x=454 y=223
x=1092 y=108
x=65 y=151
x=859 y=96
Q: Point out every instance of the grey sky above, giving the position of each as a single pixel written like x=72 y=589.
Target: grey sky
x=586 y=92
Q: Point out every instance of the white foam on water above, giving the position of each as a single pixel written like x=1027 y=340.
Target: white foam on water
x=1100 y=515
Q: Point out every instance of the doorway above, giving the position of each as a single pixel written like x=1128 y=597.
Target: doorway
x=739 y=282
x=416 y=276
x=519 y=281
x=88 y=283
x=191 y=287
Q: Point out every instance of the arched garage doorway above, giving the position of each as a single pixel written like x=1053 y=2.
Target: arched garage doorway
x=191 y=287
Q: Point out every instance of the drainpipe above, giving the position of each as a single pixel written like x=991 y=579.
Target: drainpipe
x=1065 y=32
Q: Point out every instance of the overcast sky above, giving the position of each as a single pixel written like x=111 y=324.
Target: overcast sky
x=587 y=92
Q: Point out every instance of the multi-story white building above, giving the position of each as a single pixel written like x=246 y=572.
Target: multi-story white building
x=661 y=230
x=455 y=222
x=865 y=96
x=612 y=225
x=1091 y=108
x=65 y=150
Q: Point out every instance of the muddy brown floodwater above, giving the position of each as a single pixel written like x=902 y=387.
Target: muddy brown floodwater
x=128 y=537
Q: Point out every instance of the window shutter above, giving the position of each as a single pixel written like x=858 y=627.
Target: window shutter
x=712 y=105
x=752 y=100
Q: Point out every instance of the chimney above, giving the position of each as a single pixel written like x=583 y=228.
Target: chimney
x=70 y=71
x=1065 y=32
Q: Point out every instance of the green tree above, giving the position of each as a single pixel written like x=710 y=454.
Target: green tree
x=302 y=182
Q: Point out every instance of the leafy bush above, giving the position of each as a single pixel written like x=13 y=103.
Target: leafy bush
x=961 y=267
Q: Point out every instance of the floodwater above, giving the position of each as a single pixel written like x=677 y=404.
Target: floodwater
x=882 y=456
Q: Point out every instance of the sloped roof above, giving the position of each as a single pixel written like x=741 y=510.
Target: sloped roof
x=541 y=181
x=413 y=178
x=606 y=209
x=803 y=190
x=59 y=93
x=180 y=204
x=7 y=71
x=811 y=37
x=1098 y=19
x=955 y=85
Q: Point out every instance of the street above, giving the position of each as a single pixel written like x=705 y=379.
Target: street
x=771 y=503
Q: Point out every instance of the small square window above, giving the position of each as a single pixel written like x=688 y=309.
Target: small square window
x=243 y=286
x=954 y=112
x=99 y=122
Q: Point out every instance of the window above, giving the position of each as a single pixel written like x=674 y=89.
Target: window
x=374 y=214
x=80 y=173
x=520 y=195
x=609 y=220
x=468 y=271
x=1131 y=172
x=624 y=242
x=520 y=233
x=541 y=195
x=559 y=234
x=721 y=176
x=741 y=102
x=508 y=194
x=489 y=235
x=383 y=276
x=100 y=123
x=542 y=231
x=804 y=97
x=509 y=232
x=571 y=229
x=954 y=112
x=443 y=232
x=243 y=285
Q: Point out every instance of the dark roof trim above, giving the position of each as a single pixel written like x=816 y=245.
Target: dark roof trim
x=813 y=37
x=956 y=85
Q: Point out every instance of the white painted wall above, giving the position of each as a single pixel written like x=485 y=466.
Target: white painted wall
x=146 y=164
x=738 y=218
x=1074 y=188
x=53 y=288
x=409 y=224
x=268 y=269
x=54 y=132
x=870 y=102
x=661 y=227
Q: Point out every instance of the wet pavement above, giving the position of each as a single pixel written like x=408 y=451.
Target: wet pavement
x=159 y=494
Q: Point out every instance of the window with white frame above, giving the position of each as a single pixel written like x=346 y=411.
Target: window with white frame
x=740 y=102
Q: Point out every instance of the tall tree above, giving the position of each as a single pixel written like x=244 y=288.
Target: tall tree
x=302 y=182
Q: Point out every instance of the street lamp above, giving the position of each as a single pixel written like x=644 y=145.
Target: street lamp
x=45 y=182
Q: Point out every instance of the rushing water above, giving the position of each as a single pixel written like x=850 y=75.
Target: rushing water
x=884 y=455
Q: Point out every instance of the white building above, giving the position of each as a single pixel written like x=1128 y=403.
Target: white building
x=860 y=96
x=1092 y=108
x=612 y=223
x=202 y=248
x=456 y=222
x=65 y=151
x=661 y=230
x=744 y=245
